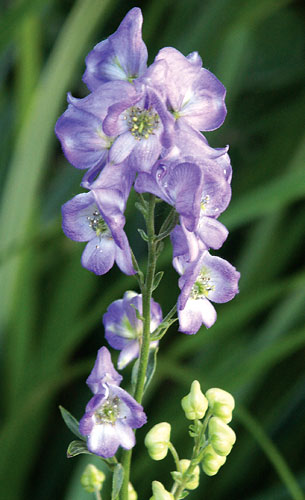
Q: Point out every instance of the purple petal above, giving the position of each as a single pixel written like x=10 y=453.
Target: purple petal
x=103 y=371
x=194 y=314
x=128 y=354
x=223 y=276
x=103 y=440
x=145 y=153
x=75 y=215
x=98 y=255
x=123 y=256
x=122 y=56
x=212 y=233
x=125 y=435
x=122 y=147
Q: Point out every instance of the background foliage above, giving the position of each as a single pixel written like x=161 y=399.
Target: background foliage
x=51 y=309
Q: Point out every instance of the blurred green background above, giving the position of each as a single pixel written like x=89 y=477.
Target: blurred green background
x=51 y=308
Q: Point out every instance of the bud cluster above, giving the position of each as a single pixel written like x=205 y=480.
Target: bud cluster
x=213 y=439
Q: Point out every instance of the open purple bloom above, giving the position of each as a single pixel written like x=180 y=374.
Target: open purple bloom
x=83 y=220
x=209 y=278
x=122 y=56
x=119 y=120
x=194 y=95
x=123 y=329
x=112 y=414
x=179 y=184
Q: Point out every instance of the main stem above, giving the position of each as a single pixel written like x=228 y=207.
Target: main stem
x=144 y=353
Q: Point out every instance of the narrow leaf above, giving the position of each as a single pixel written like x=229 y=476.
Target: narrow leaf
x=117 y=481
x=71 y=422
x=77 y=448
x=143 y=234
x=157 y=279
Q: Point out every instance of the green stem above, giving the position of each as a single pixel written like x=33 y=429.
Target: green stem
x=145 y=341
x=97 y=494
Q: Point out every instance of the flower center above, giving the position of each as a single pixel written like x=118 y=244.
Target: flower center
x=204 y=201
x=97 y=223
x=108 y=412
x=142 y=122
x=202 y=285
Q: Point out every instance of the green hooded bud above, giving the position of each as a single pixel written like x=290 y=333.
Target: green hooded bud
x=195 y=404
x=221 y=403
x=211 y=462
x=92 y=479
x=160 y=493
x=157 y=440
x=193 y=481
x=221 y=436
x=132 y=494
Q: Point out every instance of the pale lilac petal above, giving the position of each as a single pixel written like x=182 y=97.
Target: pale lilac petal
x=194 y=314
x=75 y=215
x=123 y=256
x=122 y=56
x=125 y=435
x=145 y=153
x=122 y=147
x=103 y=440
x=128 y=354
x=223 y=276
x=98 y=255
x=103 y=371
x=211 y=232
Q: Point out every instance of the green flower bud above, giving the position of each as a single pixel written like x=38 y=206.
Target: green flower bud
x=211 y=462
x=157 y=440
x=92 y=479
x=193 y=481
x=221 y=436
x=221 y=403
x=195 y=404
x=132 y=494
x=160 y=493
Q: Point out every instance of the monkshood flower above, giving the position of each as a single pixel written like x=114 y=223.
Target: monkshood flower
x=83 y=220
x=112 y=414
x=123 y=330
x=179 y=184
x=122 y=56
x=193 y=94
x=119 y=120
x=209 y=278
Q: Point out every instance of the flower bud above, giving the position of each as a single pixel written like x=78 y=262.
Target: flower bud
x=157 y=440
x=221 y=436
x=211 y=462
x=221 y=403
x=193 y=481
x=159 y=492
x=195 y=404
x=132 y=494
x=92 y=479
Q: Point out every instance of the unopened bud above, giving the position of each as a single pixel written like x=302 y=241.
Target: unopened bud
x=160 y=493
x=221 y=436
x=132 y=494
x=195 y=404
x=211 y=462
x=193 y=481
x=221 y=403
x=92 y=479
x=157 y=440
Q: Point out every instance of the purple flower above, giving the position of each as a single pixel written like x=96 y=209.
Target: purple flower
x=207 y=278
x=123 y=330
x=97 y=217
x=119 y=120
x=194 y=95
x=178 y=183
x=122 y=56
x=112 y=414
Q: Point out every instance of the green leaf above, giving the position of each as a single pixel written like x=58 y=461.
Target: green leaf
x=77 y=448
x=157 y=279
x=117 y=481
x=143 y=234
x=71 y=422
